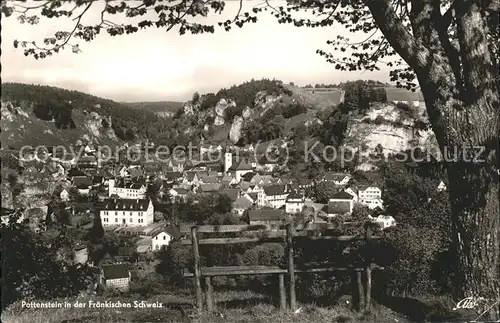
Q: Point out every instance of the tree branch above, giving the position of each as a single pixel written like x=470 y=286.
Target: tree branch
x=400 y=39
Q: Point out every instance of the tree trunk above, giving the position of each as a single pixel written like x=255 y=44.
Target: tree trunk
x=468 y=139
x=475 y=227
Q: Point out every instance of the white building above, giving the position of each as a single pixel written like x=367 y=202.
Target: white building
x=373 y=204
x=161 y=240
x=441 y=187
x=294 y=203
x=369 y=193
x=240 y=169
x=123 y=171
x=127 y=212
x=354 y=195
x=273 y=196
x=385 y=221
x=228 y=161
x=127 y=191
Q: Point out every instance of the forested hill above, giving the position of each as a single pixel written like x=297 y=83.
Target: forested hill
x=50 y=103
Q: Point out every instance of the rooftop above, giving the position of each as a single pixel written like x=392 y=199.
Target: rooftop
x=266 y=215
x=126 y=204
x=116 y=271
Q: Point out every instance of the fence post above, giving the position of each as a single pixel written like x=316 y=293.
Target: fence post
x=360 y=292
x=210 y=293
x=291 y=269
x=368 y=236
x=281 y=278
x=197 y=271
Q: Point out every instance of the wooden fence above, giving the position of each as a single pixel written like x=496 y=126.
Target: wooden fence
x=266 y=233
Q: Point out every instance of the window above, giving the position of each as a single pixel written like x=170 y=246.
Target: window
x=116 y=212
x=131 y=220
x=164 y=237
x=116 y=220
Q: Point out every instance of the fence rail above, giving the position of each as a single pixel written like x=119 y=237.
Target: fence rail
x=264 y=227
x=287 y=234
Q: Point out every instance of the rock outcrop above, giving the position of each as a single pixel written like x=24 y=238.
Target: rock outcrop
x=390 y=127
x=236 y=127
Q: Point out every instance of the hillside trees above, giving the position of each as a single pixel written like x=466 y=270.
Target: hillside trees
x=33 y=268
x=449 y=46
x=51 y=103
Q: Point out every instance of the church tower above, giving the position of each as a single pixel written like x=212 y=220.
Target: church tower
x=228 y=160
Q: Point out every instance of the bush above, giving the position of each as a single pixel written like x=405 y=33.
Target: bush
x=379 y=120
x=403 y=106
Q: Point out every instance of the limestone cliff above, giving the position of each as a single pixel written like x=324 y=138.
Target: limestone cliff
x=391 y=127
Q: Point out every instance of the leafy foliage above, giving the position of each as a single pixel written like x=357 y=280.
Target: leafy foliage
x=33 y=268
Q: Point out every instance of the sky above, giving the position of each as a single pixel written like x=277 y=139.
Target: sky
x=155 y=65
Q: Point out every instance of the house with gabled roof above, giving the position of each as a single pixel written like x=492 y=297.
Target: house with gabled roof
x=252 y=197
x=83 y=184
x=239 y=169
x=61 y=193
x=122 y=171
x=240 y=205
x=273 y=196
x=441 y=187
x=208 y=179
x=87 y=162
x=373 y=204
x=72 y=172
x=294 y=203
x=340 y=203
x=192 y=178
x=339 y=179
x=353 y=193
x=161 y=238
x=172 y=177
x=208 y=188
x=127 y=190
x=178 y=193
x=176 y=165
x=127 y=212
x=266 y=217
x=115 y=276
x=232 y=193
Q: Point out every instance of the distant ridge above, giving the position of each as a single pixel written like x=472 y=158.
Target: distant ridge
x=158 y=107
